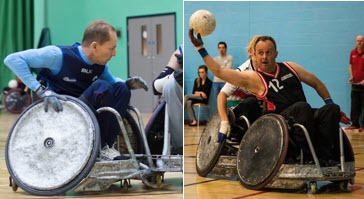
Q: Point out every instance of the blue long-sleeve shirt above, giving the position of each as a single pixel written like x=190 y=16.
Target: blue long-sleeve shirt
x=50 y=57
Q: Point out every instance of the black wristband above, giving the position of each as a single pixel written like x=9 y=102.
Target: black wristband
x=203 y=52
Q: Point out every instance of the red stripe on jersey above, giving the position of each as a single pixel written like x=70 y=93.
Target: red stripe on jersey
x=278 y=70
x=291 y=69
x=263 y=97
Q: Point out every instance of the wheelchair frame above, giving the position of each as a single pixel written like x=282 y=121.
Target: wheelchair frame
x=294 y=176
x=298 y=175
x=105 y=173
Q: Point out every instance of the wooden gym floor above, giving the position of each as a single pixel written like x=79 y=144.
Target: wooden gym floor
x=209 y=187
x=173 y=184
x=194 y=185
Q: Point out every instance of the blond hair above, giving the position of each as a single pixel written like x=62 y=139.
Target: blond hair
x=251 y=45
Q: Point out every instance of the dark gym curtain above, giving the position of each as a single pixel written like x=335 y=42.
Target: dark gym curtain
x=16 y=32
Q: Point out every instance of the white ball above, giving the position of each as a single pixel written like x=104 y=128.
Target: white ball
x=13 y=83
x=203 y=22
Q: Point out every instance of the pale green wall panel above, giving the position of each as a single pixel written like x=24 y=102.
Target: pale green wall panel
x=39 y=19
x=67 y=20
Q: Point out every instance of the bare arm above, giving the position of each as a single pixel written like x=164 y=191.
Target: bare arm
x=173 y=61
x=221 y=106
x=311 y=80
x=249 y=80
x=245 y=79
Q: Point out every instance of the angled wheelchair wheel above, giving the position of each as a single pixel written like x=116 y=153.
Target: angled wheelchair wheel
x=262 y=151
x=155 y=129
x=48 y=153
x=133 y=132
x=16 y=101
x=209 y=150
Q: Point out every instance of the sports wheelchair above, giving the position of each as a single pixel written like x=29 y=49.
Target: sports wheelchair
x=259 y=159
x=51 y=153
x=15 y=100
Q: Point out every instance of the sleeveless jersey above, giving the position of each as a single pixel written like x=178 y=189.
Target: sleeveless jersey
x=282 y=89
x=75 y=75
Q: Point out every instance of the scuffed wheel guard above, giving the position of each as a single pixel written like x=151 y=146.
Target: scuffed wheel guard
x=262 y=151
x=50 y=153
x=209 y=150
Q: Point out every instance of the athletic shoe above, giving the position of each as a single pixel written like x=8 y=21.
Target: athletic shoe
x=351 y=128
x=109 y=153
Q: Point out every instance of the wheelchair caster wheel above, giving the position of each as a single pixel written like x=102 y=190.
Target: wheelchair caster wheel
x=158 y=180
x=12 y=184
x=313 y=187
x=125 y=186
x=343 y=185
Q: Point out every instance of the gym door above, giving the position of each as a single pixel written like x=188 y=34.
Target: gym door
x=151 y=41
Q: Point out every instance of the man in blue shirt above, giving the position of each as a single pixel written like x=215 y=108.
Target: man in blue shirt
x=81 y=71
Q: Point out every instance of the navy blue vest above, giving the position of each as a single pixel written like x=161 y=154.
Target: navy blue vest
x=285 y=89
x=75 y=75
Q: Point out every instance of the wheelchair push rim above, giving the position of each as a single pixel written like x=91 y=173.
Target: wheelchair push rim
x=262 y=151
x=50 y=153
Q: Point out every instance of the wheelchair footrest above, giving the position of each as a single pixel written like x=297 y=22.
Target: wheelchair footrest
x=225 y=167
x=168 y=163
x=105 y=173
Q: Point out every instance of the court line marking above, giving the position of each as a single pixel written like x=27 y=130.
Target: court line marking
x=249 y=195
x=196 y=183
x=359 y=168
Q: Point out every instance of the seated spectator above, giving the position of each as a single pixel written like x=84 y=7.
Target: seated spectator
x=200 y=93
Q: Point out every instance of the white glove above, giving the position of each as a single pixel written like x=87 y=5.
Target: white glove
x=224 y=131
